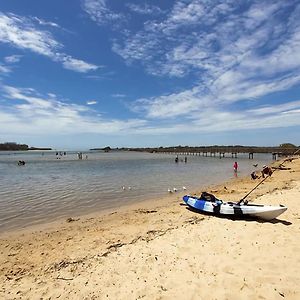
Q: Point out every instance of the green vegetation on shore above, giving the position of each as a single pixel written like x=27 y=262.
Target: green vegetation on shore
x=105 y=149
x=284 y=149
x=18 y=147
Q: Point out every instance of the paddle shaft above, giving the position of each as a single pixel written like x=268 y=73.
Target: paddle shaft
x=288 y=158
x=263 y=180
x=254 y=188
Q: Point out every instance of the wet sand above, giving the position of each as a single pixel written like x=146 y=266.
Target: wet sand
x=161 y=250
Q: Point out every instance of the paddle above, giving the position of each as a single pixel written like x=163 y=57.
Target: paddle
x=264 y=179
x=253 y=190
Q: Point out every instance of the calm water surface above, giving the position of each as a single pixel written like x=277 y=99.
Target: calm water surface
x=47 y=188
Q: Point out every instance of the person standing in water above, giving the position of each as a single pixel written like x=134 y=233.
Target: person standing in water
x=235 y=166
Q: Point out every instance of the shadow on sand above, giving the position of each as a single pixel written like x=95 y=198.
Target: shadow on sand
x=238 y=218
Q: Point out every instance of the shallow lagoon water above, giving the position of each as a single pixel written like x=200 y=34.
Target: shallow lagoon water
x=53 y=186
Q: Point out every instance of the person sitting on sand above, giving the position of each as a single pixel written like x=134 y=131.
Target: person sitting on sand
x=266 y=171
x=253 y=175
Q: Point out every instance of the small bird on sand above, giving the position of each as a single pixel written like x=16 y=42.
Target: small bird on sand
x=123 y=187
x=170 y=191
x=255 y=165
x=184 y=188
x=174 y=189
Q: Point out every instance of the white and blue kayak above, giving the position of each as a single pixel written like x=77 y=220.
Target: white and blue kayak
x=218 y=207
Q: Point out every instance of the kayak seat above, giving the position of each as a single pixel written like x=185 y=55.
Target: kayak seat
x=208 y=197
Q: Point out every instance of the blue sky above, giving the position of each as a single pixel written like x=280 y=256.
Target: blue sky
x=92 y=73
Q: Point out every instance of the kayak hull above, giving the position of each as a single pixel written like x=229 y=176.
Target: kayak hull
x=265 y=212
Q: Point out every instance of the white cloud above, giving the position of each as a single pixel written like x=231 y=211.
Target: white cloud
x=257 y=119
x=253 y=52
x=144 y=9
x=27 y=96
x=12 y=59
x=46 y=23
x=20 y=32
x=172 y=105
x=36 y=114
x=91 y=102
x=292 y=106
x=99 y=12
x=4 y=69
x=186 y=13
x=259 y=13
x=231 y=55
x=118 y=95
x=32 y=114
x=77 y=65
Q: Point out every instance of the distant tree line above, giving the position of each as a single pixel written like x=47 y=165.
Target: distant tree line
x=18 y=147
x=285 y=149
x=13 y=147
x=105 y=149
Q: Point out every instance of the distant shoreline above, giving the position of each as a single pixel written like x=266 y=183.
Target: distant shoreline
x=281 y=150
x=20 y=147
x=30 y=149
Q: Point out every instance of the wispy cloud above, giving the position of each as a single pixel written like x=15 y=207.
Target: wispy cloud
x=31 y=113
x=4 y=69
x=46 y=23
x=91 y=102
x=233 y=51
x=253 y=52
x=77 y=65
x=274 y=109
x=99 y=11
x=118 y=95
x=20 y=32
x=144 y=9
x=214 y=120
x=12 y=59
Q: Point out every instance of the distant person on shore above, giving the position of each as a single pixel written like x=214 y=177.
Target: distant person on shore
x=176 y=159
x=185 y=159
x=266 y=171
x=21 y=163
x=235 y=166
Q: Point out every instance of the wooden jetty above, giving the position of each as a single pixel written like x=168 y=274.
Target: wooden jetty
x=222 y=151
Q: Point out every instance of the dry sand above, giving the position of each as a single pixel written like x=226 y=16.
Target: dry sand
x=162 y=250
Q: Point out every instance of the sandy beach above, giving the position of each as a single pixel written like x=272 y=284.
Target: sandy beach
x=161 y=250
